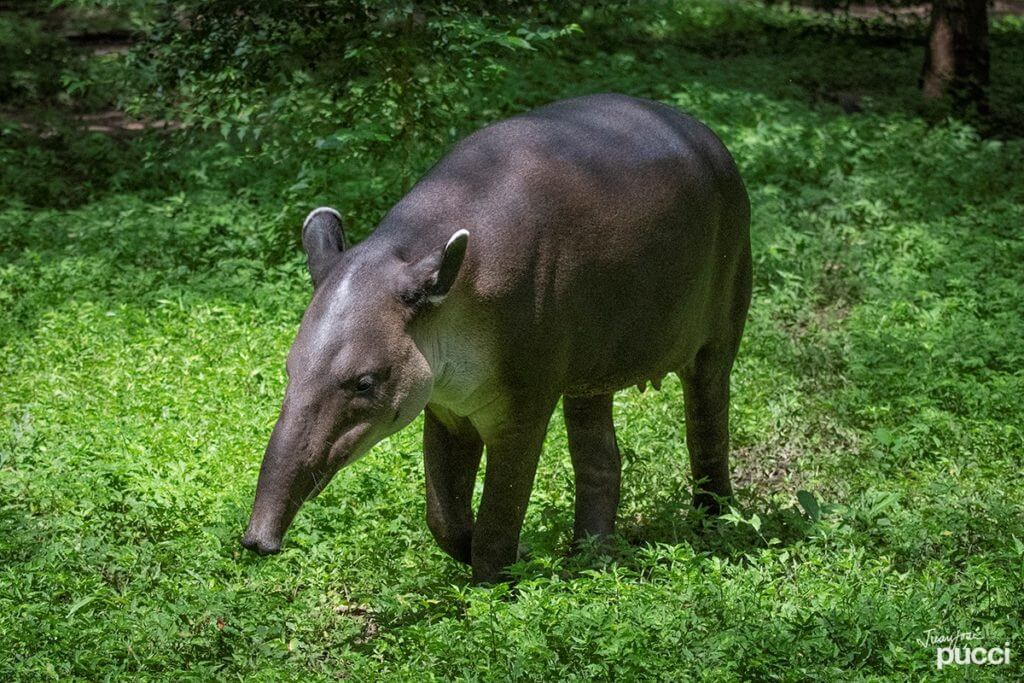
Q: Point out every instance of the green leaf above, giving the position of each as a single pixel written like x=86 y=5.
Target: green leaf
x=810 y=504
x=80 y=604
x=883 y=436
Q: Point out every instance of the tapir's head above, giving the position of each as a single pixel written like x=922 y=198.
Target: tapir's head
x=355 y=372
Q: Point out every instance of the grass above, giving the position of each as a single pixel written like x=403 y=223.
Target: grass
x=142 y=340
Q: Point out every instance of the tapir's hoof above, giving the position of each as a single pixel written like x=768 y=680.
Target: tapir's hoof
x=489 y=577
x=261 y=546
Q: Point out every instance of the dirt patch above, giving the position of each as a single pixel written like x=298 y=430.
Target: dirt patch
x=789 y=461
x=362 y=615
x=117 y=122
x=769 y=466
x=110 y=122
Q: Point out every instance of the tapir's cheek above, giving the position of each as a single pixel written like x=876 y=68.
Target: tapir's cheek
x=409 y=409
x=350 y=445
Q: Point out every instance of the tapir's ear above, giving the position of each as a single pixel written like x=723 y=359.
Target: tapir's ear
x=323 y=238
x=438 y=271
x=451 y=262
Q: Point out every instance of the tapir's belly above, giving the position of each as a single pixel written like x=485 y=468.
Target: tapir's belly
x=640 y=371
x=637 y=316
x=652 y=339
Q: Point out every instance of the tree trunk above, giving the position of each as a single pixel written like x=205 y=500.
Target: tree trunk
x=956 y=63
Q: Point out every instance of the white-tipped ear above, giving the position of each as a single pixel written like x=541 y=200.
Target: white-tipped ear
x=457 y=235
x=323 y=238
x=451 y=261
x=324 y=209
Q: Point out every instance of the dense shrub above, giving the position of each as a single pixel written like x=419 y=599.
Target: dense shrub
x=333 y=82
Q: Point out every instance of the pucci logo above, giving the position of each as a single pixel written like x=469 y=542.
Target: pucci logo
x=963 y=648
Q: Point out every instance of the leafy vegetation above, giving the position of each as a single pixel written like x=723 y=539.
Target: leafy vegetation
x=150 y=286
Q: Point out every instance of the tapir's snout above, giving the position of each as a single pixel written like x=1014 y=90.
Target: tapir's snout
x=267 y=525
x=284 y=483
x=261 y=545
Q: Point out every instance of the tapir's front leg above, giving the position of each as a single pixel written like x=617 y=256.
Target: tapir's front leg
x=513 y=449
x=451 y=457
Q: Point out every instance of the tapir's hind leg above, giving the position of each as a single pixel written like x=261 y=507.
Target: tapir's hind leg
x=706 y=391
x=596 y=462
x=451 y=459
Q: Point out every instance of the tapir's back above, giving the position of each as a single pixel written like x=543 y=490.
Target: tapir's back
x=608 y=234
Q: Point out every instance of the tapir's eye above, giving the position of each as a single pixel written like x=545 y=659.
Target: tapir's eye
x=366 y=384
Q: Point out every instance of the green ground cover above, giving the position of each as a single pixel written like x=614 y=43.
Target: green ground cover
x=144 y=323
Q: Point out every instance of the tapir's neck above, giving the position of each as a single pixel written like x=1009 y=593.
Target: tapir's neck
x=456 y=351
x=434 y=339
x=452 y=337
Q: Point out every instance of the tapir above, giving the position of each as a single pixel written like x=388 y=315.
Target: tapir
x=565 y=253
